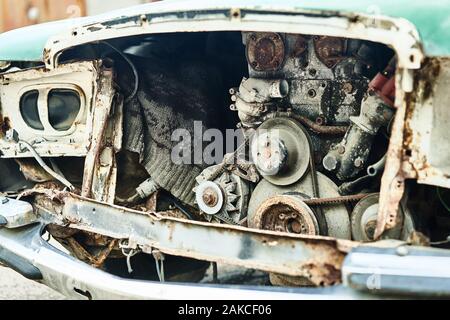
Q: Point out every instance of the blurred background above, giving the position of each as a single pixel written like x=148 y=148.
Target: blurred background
x=19 y=13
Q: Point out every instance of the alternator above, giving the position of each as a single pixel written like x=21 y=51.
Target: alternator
x=224 y=198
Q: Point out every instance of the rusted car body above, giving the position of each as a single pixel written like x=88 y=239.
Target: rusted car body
x=337 y=187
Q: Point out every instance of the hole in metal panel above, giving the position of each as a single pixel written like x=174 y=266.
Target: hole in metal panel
x=29 y=109
x=63 y=108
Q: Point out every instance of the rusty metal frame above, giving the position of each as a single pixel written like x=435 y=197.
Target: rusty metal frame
x=397 y=33
x=426 y=125
x=388 y=270
x=100 y=170
x=410 y=144
x=393 y=180
x=282 y=253
x=25 y=250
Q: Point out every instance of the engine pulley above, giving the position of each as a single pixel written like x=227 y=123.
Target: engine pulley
x=268 y=199
x=209 y=197
x=282 y=209
x=280 y=151
x=286 y=213
x=364 y=221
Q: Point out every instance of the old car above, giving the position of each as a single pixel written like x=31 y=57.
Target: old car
x=299 y=142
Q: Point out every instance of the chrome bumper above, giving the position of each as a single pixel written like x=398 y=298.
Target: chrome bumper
x=25 y=251
x=368 y=272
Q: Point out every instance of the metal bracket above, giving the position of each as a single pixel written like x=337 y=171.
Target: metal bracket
x=16 y=213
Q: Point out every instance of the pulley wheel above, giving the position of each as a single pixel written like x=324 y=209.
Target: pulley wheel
x=281 y=142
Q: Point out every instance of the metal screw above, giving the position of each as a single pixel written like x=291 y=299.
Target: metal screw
x=341 y=149
x=320 y=120
x=358 y=162
x=330 y=162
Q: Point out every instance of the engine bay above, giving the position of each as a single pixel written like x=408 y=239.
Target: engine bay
x=286 y=133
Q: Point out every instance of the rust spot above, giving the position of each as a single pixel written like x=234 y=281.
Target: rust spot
x=152 y=202
x=61 y=232
x=46 y=56
x=329 y=50
x=410 y=101
x=325 y=270
x=300 y=46
x=5 y=124
x=426 y=76
x=94 y=29
x=265 y=51
x=33 y=171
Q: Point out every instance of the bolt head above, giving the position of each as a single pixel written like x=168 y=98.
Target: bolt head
x=320 y=120
x=312 y=72
x=295 y=227
x=269 y=154
x=210 y=198
x=358 y=163
x=330 y=162
x=370 y=228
